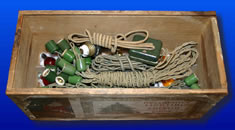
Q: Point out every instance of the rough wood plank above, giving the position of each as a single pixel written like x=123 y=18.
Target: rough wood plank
x=110 y=91
x=120 y=118
x=15 y=52
x=148 y=13
x=212 y=56
x=219 y=54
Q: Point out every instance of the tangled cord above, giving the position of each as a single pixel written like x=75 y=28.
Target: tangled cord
x=120 y=40
x=176 y=65
x=178 y=84
x=116 y=63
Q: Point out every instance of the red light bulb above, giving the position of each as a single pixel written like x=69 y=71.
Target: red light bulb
x=45 y=82
x=48 y=60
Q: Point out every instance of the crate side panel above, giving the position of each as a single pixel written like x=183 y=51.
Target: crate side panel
x=23 y=56
x=47 y=107
x=116 y=107
x=209 y=57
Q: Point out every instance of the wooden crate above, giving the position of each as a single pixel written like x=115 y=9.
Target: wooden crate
x=35 y=28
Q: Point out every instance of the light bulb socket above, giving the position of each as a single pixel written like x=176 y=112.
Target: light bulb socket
x=74 y=79
x=81 y=64
x=64 y=76
x=60 y=80
x=195 y=86
x=88 y=49
x=191 y=79
x=88 y=61
x=68 y=55
x=52 y=47
x=63 y=44
x=66 y=67
x=49 y=75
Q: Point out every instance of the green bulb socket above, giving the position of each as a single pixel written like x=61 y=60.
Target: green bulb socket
x=81 y=64
x=77 y=50
x=64 y=76
x=60 y=51
x=66 y=67
x=68 y=55
x=60 y=62
x=49 y=75
x=63 y=44
x=52 y=68
x=74 y=79
x=69 y=69
x=195 y=86
x=88 y=60
x=59 y=80
x=52 y=47
x=191 y=79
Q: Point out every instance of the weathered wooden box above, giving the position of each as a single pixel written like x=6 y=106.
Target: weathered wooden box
x=35 y=28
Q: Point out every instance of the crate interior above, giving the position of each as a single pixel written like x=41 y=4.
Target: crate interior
x=171 y=30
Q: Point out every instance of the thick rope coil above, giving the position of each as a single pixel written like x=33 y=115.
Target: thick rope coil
x=116 y=63
x=176 y=65
x=120 y=40
x=131 y=79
